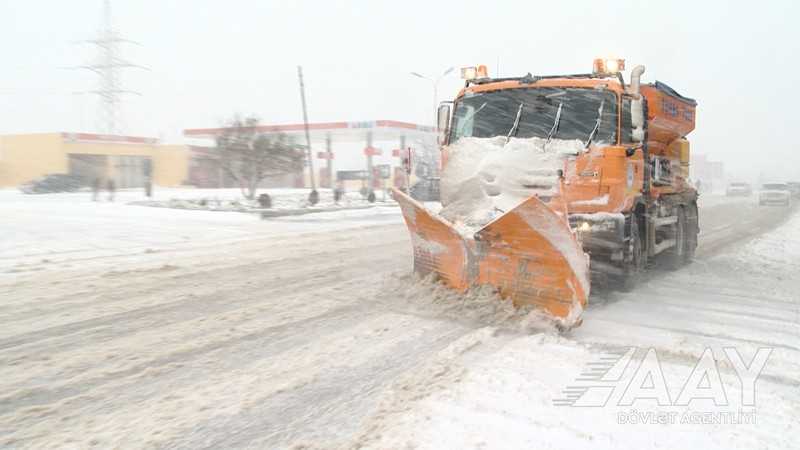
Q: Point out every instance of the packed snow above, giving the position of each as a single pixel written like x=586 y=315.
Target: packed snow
x=597 y=201
x=311 y=332
x=486 y=177
x=492 y=389
x=52 y=230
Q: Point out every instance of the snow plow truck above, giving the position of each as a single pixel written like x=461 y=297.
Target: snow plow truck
x=550 y=181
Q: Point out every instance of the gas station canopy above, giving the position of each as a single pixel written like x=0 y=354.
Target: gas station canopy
x=380 y=130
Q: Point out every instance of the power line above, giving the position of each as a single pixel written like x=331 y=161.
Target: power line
x=107 y=67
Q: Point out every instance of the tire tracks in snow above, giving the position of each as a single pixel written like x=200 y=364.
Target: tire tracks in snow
x=329 y=263
x=280 y=333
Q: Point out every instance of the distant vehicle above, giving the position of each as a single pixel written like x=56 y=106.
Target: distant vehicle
x=739 y=189
x=54 y=182
x=775 y=194
x=794 y=188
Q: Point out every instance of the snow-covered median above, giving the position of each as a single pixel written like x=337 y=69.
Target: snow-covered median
x=51 y=231
x=289 y=201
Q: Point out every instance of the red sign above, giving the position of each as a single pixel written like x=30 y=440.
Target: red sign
x=324 y=155
x=400 y=153
x=372 y=151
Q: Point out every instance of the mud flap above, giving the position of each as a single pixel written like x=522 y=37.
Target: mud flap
x=529 y=254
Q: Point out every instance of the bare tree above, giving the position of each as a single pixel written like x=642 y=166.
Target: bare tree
x=249 y=157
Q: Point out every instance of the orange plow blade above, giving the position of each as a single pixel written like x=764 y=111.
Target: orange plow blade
x=529 y=254
x=438 y=248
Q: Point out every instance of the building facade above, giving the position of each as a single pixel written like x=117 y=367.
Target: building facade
x=128 y=160
x=351 y=155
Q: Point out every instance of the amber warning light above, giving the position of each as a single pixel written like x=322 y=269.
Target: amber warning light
x=473 y=72
x=612 y=66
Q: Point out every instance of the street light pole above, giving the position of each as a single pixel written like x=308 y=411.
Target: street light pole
x=435 y=84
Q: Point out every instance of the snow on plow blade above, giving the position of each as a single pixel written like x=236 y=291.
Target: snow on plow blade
x=529 y=254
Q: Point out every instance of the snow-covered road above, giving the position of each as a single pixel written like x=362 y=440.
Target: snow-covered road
x=135 y=327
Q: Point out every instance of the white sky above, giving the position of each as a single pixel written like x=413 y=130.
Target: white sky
x=212 y=58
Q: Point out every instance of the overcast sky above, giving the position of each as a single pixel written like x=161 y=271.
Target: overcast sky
x=209 y=59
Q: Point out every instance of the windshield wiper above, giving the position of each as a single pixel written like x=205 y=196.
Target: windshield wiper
x=554 y=130
x=513 y=130
x=596 y=124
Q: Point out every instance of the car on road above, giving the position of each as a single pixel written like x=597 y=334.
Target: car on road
x=54 y=182
x=739 y=189
x=775 y=194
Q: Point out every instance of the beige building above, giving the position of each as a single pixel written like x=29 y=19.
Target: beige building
x=125 y=159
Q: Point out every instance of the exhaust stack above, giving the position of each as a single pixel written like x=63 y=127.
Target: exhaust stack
x=636 y=75
x=637 y=105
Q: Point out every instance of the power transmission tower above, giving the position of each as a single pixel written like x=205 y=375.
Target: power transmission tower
x=107 y=66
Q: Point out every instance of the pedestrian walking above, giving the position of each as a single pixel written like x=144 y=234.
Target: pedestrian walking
x=111 y=188
x=96 y=188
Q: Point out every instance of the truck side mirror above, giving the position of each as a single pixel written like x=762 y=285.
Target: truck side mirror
x=443 y=122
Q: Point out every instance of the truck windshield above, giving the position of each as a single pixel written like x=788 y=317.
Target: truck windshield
x=490 y=114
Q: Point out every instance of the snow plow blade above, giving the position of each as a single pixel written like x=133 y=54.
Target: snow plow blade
x=438 y=248
x=529 y=254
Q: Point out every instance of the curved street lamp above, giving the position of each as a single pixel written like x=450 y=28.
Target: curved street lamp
x=435 y=83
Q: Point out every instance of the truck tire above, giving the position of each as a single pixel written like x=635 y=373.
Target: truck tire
x=675 y=257
x=634 y=268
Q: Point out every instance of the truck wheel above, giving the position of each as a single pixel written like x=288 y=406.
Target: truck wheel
x=676 y=256
x=635 y=260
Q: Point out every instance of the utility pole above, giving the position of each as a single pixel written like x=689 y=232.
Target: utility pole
x=329 y=151
x=370 y=165
x=107 y=66
x=313 y=197
x=405 y=154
